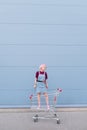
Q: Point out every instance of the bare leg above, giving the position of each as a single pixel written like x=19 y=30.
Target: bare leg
x=46 y=97
x=38 y=98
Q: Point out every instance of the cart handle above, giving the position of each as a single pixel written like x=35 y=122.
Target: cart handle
x=59 y=89
x=31 y=96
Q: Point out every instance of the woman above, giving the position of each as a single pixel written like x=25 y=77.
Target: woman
x=41 y=84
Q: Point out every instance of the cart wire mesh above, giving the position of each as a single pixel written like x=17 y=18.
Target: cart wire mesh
x=48 y=114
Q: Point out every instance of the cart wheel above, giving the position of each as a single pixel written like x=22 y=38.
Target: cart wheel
x=55 y=115
x=36 y=115
x=58 y=121
x=36 y=120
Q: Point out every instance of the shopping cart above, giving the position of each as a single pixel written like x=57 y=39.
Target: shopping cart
x=47 y=114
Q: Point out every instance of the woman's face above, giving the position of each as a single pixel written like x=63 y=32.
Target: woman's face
x=42 y=68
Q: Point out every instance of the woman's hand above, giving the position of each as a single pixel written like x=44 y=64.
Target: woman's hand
x=35 y=85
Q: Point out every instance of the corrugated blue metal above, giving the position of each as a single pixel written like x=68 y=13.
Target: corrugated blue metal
x=43 y=31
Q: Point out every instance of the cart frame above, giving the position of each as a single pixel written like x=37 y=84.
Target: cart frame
x=48 y=114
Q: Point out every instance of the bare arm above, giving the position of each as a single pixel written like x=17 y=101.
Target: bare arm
x=46 y=84
x=35 y=83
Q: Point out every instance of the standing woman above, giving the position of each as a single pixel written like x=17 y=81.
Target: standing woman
x=41 y=84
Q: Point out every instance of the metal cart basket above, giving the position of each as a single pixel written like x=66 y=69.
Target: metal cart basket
x=47 y=113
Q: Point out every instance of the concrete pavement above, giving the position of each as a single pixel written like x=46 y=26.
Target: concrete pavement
x=21 y=119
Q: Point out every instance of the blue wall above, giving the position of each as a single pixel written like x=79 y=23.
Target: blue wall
x=43 y=31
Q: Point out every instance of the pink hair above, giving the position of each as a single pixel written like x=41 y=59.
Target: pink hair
x=42 y=65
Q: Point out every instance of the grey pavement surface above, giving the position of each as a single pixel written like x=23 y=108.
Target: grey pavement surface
x=22 y=120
